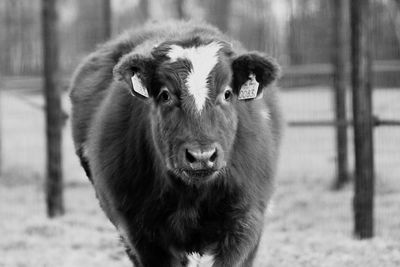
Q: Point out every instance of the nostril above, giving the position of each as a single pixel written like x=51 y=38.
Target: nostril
x=213 y=156
x=190 y=158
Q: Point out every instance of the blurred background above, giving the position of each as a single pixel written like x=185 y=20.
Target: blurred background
x=311 y=221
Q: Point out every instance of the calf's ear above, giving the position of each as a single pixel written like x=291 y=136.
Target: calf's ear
x=253 y=72
x=138 y=72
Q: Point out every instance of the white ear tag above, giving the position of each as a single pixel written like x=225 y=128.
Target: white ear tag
x=249 y=89
x=138 y=86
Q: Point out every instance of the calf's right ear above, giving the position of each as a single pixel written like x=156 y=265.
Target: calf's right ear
x=138 y=72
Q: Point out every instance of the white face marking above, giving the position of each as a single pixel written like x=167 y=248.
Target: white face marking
x=195 y=260
x=203 y=59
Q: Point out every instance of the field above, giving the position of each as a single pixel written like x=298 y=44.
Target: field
x=308 y=224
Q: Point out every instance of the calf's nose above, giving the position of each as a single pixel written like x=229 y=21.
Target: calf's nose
x=197 y=157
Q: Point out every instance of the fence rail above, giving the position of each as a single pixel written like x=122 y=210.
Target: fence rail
x=327 y=123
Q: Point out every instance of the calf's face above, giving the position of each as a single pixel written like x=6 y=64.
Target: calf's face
x=194 y=90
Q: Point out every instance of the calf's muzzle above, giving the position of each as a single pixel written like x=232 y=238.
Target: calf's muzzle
x=194 y=157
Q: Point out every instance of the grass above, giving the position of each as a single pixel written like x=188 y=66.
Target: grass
x=308 y=225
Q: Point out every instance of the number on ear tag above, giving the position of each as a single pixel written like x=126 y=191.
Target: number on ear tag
x=138 y=86
x=249 y=89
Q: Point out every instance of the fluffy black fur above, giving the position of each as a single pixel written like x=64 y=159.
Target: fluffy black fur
x=162 y=218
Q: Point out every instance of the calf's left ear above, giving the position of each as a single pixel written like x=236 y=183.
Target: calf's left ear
x=138 y=72
x=253 y=72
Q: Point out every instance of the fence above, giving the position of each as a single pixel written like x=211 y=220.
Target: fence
x=295 y=34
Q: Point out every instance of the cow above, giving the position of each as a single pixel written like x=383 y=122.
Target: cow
x=178 y=127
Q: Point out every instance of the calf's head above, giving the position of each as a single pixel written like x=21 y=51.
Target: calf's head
x=195 y=89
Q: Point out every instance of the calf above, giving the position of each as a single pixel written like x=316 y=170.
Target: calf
x=177 y=128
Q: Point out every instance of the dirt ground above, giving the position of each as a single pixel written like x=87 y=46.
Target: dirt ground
x=308 y=224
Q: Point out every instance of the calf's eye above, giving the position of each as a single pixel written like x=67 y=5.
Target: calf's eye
x=164 y=95
x=228 y=94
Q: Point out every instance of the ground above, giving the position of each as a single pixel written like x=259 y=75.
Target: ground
x=307 y=225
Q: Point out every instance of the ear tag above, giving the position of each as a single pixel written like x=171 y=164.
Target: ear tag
x=138 y=86
x=249 y=89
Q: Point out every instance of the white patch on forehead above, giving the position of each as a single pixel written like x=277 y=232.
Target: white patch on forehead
x=195 y=260
x=203 y=60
